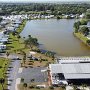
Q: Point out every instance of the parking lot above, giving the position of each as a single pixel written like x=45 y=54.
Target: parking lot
x=34 y=73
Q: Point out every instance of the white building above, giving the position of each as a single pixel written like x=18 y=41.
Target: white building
x=69 y=70
x=82 y=15
x=3 y=37
x=2 y=46
x=11 y=28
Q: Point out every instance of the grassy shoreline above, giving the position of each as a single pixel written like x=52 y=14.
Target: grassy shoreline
x=82 y=38
x=21 y=27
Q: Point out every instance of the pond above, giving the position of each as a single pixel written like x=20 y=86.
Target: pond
x=57 y=36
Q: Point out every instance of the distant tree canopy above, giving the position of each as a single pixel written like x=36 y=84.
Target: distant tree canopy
x=56 y=9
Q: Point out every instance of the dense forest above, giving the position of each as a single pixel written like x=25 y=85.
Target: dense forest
x=55 y=9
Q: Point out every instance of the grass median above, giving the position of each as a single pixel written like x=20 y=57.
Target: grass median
x=4 y=63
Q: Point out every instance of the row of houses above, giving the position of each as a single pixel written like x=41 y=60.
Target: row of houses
x=38 y=16
x=15 y=21
x=15 y=17
x=3 y=40
x=70 y=70
x=9 y=24
x=48 y=16
x=14 y=25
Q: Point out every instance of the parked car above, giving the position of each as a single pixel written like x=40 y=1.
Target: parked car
x=34 y=58
x=16 y=58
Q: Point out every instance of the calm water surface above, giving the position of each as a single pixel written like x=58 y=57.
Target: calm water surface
x=57 y=36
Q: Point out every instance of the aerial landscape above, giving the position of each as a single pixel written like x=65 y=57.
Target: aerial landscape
x=44 y=44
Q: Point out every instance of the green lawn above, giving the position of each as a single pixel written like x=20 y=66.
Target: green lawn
x=3 y=64
x=15 y=43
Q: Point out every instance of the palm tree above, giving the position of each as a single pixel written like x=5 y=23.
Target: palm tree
x=64 y=87
x=24 y=59
x=14 y=33
x=74 y=87
x=32 y=80
x=84 y=30
x=53 y=56
x=51 y=87
x=88 y=42
x=25 y=85
x=76 y=26
x=2 y=82
x=24 y=56
x=7 y=54
x=23 y=37
x=83 y=86
x=31 y=42
x=29 y=36
x=18 y=36
x=4 y=70
x=22 y=80
x=26 y=43
x=0 y=67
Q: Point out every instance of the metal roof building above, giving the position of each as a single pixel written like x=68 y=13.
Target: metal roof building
x=74 y=70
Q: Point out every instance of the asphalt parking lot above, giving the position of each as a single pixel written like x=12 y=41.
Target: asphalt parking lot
x=34 y=73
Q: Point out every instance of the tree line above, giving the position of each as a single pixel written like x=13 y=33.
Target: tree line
x=55 y=9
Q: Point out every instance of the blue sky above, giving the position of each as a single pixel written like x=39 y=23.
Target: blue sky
x=37 y=0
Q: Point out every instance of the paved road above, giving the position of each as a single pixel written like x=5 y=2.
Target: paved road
x=12 y=71
x=13 y=74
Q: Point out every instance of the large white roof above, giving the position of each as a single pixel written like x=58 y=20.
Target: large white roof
x=78 y=68
x=55 y=68
x=72 y=70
